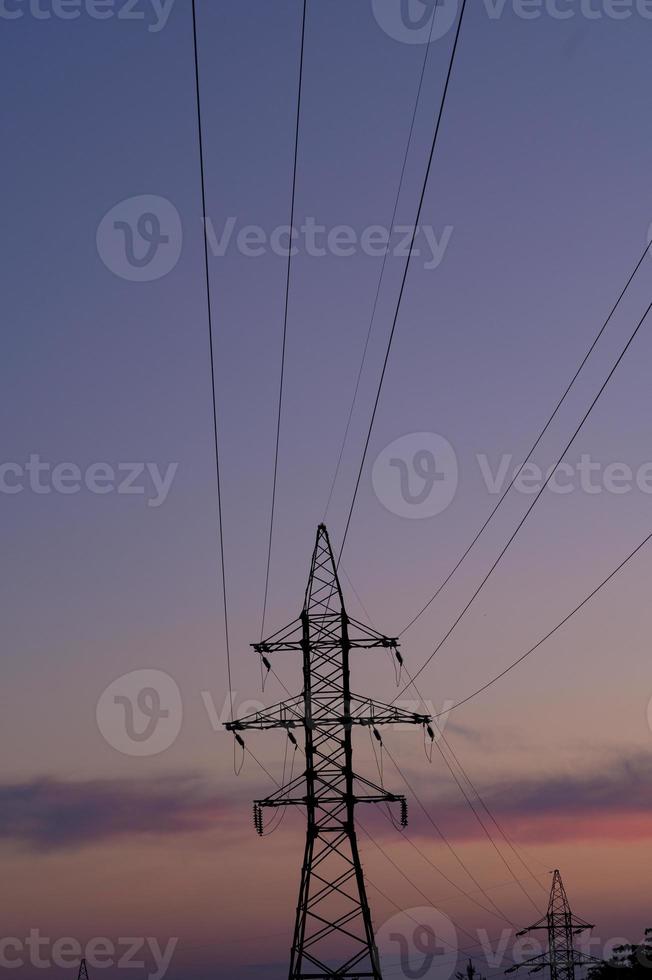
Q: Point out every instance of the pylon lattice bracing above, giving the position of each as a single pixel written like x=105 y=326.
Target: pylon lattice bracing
x=334 y=935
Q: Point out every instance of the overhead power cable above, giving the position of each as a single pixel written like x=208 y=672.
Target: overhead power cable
x=533 y=448
x=476 y=793
x=479 y=798
x=416 y=887
x=500 y=914
x=554 y=630
x=445 y=840
x=520 y=524
x=285 y=321
x=485 y=829
x=209 y=308
x=383 y=265
x=517 y=854
x=405 y=273
x=466 y=894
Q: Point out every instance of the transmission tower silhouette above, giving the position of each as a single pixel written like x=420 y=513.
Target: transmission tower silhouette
x=562 y=926
x=83 y=972
x=333 y=935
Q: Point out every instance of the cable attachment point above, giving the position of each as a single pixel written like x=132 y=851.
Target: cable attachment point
x=404 y=813
x=266 y=665
x=258 y=819
x=399 y=669
x=427 y=729
x=238 y=741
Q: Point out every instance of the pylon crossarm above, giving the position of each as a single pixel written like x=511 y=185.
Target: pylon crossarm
x=368 y=634
x=290 y=635
x=365 y=711
x=579 y=925
x=287 y=714
x=585 y=959
x=283 y=797
x=532 y=965
x=541 y=924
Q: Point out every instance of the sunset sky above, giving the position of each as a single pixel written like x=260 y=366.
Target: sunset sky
x=542 y=178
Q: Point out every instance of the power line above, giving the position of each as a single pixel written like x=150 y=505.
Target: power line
x=534 y=445
x=285 y=320
x=543 y=639
x=382 y=268
x=445 y=840
x=534 y=501
x=400 y=870
x=450 y=881
x=463 y=949
x=405 y=273
x=485 y=828
x=209 y=307
x=476 y=792
x=489 y=813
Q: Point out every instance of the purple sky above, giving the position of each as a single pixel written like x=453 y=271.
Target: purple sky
x=542 y=178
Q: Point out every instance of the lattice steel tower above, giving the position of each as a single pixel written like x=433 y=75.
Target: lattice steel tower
x=561 y=925
x=333 y=936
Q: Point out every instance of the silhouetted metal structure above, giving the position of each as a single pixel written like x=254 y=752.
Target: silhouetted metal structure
x=562 y=926
x=83 y=972
x=333 y=934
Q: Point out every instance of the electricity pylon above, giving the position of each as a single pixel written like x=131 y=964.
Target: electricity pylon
x=83 y=972
x=333 y=935
x=561 y=925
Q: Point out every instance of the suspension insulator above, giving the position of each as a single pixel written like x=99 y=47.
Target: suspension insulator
x=431 y=733
x=266 y=663
x=378 y=736
x=258 y=819
x=404 y=813
x=240 y=741
x=292 y=739
x=398 y=656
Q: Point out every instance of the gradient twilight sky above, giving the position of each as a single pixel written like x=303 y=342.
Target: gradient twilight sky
x=543 y=173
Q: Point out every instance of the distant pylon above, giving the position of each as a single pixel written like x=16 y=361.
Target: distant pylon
x=561 y=925
x=83 y=972
x=333 y=935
